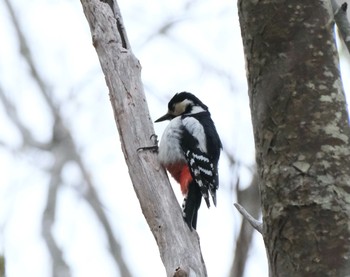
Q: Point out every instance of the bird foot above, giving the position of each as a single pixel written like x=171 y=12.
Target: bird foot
x=153 y=148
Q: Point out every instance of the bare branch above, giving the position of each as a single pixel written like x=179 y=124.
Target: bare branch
x=60 y=267
x=92 y=198
x=27 y=55
x=63 y=140
x=256 y=224
x=249 y=198
x=178 y=246
x=27 y=137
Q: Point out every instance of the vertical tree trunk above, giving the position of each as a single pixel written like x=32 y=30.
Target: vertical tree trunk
x=301 y=133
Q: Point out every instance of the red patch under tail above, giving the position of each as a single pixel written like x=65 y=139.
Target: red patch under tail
x=182 y=175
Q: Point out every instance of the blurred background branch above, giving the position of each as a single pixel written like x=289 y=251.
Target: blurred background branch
x=64 y=150
x=248 y=198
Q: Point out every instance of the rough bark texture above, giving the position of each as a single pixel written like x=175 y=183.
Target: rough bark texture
x=301 y=133
x=179 y=247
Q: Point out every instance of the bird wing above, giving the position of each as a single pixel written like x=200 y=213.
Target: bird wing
x=202 y=169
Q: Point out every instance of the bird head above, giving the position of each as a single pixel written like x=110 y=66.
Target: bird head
x=183 y=103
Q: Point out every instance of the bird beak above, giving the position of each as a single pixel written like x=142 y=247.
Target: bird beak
x=167 y=116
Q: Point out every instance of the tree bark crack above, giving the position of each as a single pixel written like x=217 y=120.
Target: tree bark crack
x=121 y=33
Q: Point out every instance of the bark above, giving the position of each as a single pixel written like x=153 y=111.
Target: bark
x=301 y=133
x=179 y=247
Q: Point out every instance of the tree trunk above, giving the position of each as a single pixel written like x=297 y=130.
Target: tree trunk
x=301 y=133
x=179 y=247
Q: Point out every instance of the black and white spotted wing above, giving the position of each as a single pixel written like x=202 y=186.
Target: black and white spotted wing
x=204 y=173
x=203 y=170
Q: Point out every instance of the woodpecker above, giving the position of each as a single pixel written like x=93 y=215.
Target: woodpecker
x=190 y=150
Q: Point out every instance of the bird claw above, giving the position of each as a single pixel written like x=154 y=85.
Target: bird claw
x=153 y=148
x=154 y=138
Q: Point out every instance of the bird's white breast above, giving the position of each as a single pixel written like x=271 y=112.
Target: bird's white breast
x=170 y=151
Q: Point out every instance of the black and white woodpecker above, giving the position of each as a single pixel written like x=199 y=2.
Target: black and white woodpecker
x=190 y=150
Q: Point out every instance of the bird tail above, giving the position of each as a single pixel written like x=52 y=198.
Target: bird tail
x=191 y=205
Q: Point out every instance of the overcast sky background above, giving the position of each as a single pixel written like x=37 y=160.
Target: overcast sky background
x=201 y=53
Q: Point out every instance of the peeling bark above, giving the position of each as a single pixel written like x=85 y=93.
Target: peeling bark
x=301 y=133
x=179 y=247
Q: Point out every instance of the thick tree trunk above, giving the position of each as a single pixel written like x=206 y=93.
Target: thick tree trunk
x=301 y=133
x=179 y=247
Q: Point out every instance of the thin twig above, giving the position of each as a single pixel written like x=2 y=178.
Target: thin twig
x=248 y=197
x=256 y=224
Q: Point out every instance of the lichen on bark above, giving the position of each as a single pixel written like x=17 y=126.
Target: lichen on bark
x=301 y=133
